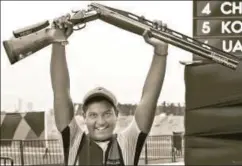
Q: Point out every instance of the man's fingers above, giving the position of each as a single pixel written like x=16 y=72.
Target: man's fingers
x=54 y=23
x=69 y=27
x=157 y=24
x=66 y=20
x=58 y=23
x=61 y=22
x=68 y=16
x=164 y=27
x=160 y=25
x=146 y=36
x=69 y=32
x=68 y=24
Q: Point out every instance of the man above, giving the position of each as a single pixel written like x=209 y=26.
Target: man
x=100 y=146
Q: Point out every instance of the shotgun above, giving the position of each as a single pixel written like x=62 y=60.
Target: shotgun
x=29 y=40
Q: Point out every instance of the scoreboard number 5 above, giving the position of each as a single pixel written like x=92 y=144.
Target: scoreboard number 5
x=206 y=9
x=206 y=28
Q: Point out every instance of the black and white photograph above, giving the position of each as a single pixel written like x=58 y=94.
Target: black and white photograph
x=119 y=83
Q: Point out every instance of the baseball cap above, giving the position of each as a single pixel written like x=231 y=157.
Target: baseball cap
x=100 y=92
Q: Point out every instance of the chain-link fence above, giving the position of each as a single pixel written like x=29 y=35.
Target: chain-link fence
x=158 y=149
x=32 y=152
x=163 y=149
x=6 y=161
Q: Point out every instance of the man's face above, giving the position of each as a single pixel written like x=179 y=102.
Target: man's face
x=101 y=120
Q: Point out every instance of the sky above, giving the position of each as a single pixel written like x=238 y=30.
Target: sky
x=99 y=55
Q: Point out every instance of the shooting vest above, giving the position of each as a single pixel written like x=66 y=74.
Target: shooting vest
x=123 y=148
x=90 y=153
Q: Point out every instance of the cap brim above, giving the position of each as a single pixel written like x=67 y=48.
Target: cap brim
x=100 y=95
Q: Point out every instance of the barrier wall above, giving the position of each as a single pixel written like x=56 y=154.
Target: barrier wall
x=23 y=126
x=213 y=125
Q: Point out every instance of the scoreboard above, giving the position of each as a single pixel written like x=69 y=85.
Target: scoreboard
x=214 y=93
x=219 y=24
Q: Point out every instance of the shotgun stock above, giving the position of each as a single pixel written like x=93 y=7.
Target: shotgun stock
x=28 y=40
x=22 y=47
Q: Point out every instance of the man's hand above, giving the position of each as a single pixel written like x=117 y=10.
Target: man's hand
x=61 y=29
x=161 y=48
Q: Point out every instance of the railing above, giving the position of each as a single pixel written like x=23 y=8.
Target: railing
x=6 y=161
x=165 y=148
x=32 y=152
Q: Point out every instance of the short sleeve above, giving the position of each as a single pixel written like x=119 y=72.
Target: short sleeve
x=71 y=137
x=131 y=141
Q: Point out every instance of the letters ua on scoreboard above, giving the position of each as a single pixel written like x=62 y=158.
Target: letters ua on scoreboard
x=219 y=24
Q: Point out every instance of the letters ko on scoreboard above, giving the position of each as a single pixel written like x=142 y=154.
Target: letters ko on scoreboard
x=219 y=24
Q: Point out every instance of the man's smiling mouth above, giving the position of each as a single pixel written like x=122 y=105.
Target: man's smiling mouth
x=101 y=128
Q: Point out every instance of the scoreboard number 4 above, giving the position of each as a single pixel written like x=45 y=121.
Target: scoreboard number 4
x=206 y=9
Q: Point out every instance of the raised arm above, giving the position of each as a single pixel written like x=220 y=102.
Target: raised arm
x=145 y=111
x=63 y=106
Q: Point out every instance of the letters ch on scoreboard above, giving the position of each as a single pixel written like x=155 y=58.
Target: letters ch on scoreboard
x=231 y=8
x=218 y=8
